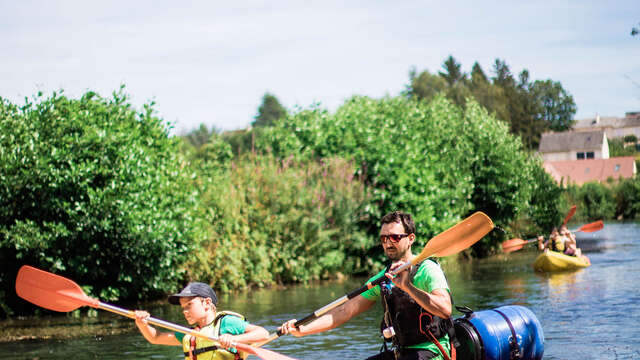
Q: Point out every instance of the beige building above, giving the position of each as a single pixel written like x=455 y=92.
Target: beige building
x=574 y=145
x=614 y=127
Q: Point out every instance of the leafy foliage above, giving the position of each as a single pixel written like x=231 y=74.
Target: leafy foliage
x=627 y=197
x=431 y=159
x=276 y=221
x=95 y=190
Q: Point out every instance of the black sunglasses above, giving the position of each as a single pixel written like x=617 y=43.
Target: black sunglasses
x=393 y=237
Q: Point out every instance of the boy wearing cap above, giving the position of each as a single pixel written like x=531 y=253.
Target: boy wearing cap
x=198 y=302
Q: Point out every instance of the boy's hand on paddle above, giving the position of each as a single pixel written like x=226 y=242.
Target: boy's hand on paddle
x=226 y=341
x=141 y=316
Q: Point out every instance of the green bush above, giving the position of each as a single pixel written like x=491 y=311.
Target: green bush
x=627 y=197
x=598 y=201
x=430 y=159
x=283 y=221
x=94 y=190
x=548 y=206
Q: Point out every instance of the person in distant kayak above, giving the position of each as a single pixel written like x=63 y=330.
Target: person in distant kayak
x=570 y=243
x=198 y=302
x=417 y=303
x=560 y=241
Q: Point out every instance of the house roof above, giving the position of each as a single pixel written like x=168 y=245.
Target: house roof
x=631 y=119
x=582 y=171
x=571 y=140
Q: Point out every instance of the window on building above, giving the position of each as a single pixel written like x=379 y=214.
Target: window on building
x=586 y=171
x=580 y=155
x=590 y=155
x=617 y=168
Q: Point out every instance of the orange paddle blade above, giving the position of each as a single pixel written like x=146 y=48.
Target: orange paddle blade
x=513 y=245
x=572 y=211
x=457 y=237
x=50 y=291
x=592 y=227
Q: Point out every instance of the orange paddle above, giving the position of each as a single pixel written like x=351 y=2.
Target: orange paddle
x=591 y=227
x=57 y=293
x=572 y=211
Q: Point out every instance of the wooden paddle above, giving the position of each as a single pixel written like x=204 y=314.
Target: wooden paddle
x=449 y=242
x=57 y=293
x=517 y=244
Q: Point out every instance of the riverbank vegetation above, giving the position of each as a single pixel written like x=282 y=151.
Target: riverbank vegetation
x=99 y=192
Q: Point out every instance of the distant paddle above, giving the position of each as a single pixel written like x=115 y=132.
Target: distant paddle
x=591 y=227
x=572 y=211
x=517 y=244
x=58 y=293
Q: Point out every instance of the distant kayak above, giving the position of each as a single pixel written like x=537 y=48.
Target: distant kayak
x=556 y=261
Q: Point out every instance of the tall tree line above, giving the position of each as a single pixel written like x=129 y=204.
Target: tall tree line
x=528 y=107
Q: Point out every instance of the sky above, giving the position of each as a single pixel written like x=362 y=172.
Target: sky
x=211 y=62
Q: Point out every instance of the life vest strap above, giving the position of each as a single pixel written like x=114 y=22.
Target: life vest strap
x=199 y=351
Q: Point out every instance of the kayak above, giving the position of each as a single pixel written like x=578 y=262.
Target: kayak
x=556 y=261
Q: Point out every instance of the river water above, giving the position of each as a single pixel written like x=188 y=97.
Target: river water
x=591 y=313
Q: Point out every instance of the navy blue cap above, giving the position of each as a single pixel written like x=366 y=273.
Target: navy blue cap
x=195 y=289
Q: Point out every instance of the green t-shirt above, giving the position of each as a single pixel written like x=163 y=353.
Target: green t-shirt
x=230 y=325
x=429 y=277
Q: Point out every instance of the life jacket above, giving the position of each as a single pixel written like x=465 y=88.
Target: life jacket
x=557 y=243
x=196 y=348
x=411 y=322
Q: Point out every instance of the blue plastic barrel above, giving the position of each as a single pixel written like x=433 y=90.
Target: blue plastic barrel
x=504 y=333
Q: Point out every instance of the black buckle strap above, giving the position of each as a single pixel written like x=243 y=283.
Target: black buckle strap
x=197 y=352
x=515 y=352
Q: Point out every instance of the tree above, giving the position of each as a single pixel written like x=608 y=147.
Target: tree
x=452 y=73
x=556 y=105
x=199 y=137
x=269 y=111
x=425 y=86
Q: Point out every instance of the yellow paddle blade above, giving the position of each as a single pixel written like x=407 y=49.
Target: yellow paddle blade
x=457 y=237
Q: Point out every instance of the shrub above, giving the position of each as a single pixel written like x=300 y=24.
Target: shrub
x=94 y=190
x=598 y=201
x=276 y=221
x=430 y=159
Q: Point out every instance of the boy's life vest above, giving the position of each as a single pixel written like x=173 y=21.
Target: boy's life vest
x=411 y=322
x=202 y=349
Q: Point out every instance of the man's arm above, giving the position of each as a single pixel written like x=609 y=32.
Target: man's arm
x=436 y=302
x=331 y=319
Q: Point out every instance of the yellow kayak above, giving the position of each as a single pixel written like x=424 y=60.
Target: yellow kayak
x=556 y=261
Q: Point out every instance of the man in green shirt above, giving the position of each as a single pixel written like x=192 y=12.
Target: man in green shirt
x=417 y=302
